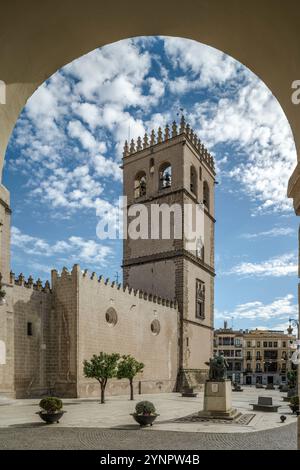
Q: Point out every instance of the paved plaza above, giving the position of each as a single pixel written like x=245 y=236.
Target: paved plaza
x=89 y=425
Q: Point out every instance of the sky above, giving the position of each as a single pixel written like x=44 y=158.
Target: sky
x=63 y=168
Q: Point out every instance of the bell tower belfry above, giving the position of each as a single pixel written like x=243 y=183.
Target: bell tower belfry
x=173 y=169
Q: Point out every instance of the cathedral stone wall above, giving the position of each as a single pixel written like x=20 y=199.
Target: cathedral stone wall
x=23 y=368
x=128 y=333
x=72 y=321
x=32 y=307
x=7 y=346
x=4 y=233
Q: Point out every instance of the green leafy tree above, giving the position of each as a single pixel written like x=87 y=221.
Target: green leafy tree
x=102 y=368
x=128 y=368
x=292 y=378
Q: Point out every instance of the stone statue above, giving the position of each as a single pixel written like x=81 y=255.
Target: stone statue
x=217 y=367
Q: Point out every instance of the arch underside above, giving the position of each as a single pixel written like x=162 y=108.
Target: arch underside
x=50 y=34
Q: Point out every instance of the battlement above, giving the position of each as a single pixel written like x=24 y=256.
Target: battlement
x=77 y=273
x=169 y=134
x=29 y=283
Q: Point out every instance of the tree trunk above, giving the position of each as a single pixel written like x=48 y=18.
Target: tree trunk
x=102 y=393
x=131 y=389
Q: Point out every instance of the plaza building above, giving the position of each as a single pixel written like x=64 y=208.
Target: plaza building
x=256 y=356
x=267 y=356
x=162 y=313
x=230 y=342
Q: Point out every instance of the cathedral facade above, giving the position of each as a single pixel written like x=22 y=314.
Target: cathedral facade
x=162 y=313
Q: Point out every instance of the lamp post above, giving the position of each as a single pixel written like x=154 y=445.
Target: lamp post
x=295 y=357
x=293 y=321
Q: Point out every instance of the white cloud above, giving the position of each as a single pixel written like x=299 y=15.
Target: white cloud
x=281 y=307
x=254 y=123
x=107 y=168
x=89 y=112
x=74 y=249
x=284 y=265
x=87 y=140
x=92 y=105
x=210 y=65
x=274 y=232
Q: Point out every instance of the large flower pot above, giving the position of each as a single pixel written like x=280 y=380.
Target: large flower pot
x=50 y=418
x=144 y=420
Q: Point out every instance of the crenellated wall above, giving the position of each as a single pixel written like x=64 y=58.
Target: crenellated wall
x=160 y=137
x=24 y=372
x=81 y=302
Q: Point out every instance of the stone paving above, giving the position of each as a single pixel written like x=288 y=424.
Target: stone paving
x=87 y=424
x=48 y=437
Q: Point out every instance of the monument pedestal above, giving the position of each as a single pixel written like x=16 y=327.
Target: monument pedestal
x=218 y=400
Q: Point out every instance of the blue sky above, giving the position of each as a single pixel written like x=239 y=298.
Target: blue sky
x=62 y=167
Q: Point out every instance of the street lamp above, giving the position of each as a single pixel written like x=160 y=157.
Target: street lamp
x=295 y=359
x=293 y=321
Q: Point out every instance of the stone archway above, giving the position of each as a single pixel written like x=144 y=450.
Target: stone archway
x=44 y=36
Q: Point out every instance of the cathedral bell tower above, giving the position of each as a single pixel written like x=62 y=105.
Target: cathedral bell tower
x=173 y=169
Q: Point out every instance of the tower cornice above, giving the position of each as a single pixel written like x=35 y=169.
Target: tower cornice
x=157 y=141
x=169 y=255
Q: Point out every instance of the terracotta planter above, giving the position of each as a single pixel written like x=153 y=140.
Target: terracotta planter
x=144 y=420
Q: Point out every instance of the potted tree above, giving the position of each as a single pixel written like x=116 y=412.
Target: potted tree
x=145 y=413
x=294 y=404
x=102 y=367
x=128 y=368
x=51 y=410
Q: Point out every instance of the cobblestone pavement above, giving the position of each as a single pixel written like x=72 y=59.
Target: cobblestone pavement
x=39 y=436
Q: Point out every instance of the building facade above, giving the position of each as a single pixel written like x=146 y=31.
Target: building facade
x=265 y=354
x=163 y=312
x=230 y=342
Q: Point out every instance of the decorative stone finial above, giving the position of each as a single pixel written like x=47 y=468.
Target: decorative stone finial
x=21 y=279
x=174 y=129
x=152 y=138
x=187 y=130
x=159 y=135
x=30 y=281
x=139 y=144
x=126 y=149
x=132 y=146
x=182 y=125
x=145 y=141
x=167 y=132
x=39 y=284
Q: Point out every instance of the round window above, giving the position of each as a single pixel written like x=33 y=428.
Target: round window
x=155 y=327
x=111 y=316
